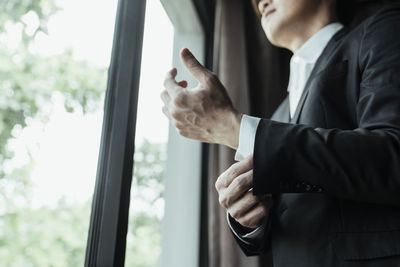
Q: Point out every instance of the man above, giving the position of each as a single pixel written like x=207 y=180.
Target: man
x=319 y=182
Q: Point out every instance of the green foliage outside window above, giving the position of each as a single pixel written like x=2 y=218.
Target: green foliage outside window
x=56 y=235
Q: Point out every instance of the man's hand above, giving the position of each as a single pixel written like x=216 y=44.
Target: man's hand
x=234 y=189
x=204 y=113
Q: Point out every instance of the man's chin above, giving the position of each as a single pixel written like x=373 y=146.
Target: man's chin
x=271 y=37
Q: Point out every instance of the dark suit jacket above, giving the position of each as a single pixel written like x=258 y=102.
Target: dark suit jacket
x=334 y=169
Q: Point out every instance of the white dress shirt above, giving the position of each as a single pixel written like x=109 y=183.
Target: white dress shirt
x=301 y=66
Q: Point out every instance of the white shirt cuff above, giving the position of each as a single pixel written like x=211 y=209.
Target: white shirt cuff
x=247 y=137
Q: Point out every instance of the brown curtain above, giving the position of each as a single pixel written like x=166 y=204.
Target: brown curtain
x=231 y=67
x=255 y=75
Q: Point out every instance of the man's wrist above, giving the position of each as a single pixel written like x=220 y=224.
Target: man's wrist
x=233 y=130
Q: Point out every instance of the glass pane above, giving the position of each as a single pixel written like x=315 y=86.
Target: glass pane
x=54 y=57
x=147 y=203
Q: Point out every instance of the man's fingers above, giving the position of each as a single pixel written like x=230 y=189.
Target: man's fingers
x=193 y=65
x=226 y=178
x=246 y=164
x=166 y=112
x=170 y=83
x=165 y=97
x=241 y=206
x=239 y=186
x=254 y=217
x=170 y=78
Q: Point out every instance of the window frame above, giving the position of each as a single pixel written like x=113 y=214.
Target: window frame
x=110 y=207
x=106 y=243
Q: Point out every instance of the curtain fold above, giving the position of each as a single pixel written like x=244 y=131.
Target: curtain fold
x=231 y=67
x=238 y=42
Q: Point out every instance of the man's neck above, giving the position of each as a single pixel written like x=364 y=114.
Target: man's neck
x=304 y=32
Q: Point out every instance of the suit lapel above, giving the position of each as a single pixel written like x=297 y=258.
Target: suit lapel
x=282 y=112
x=321 y=63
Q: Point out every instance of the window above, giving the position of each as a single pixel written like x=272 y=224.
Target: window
x=53 y=69
x=65 y=165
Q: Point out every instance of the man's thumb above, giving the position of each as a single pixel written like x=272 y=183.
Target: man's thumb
x=193 y=65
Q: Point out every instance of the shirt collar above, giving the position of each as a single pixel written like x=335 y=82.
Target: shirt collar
x=313 y=47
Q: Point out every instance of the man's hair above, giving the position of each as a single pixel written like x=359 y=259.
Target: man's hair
x=345 y=10
x=255 y=6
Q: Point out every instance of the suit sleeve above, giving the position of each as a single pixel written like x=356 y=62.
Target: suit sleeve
x=361 y=164
x=251 y=242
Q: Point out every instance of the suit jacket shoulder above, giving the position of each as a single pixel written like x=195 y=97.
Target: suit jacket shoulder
x=344 y=144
